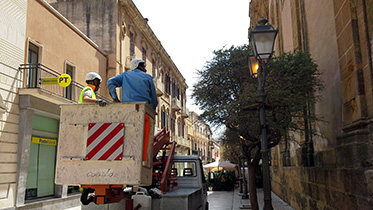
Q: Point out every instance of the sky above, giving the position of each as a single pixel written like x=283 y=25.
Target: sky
x=190 y=30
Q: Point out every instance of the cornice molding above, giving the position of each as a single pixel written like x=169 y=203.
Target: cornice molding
x=142 y=26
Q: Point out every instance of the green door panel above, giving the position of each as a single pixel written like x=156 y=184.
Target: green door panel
x=32 y=172
x=47 y=162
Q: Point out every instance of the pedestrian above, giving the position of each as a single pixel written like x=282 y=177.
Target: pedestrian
x=88 y=94
x=136 y=85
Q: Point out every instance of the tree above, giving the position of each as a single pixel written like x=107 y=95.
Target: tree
x=224 y=88
x=227 y=95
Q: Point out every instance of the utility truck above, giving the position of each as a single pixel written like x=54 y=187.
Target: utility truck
x=112 y=153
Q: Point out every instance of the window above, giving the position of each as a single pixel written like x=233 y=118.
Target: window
x=166 y=117
x=144 y=54
x=187 y=168
x=182 y=130
x=175 y=91
x=182 y=99
x=167 y=84
x=172 y=124
x=178 y=128
x=132 y=44
x=69 y=89
x=32 y=73
x=42 y=161
x=163 y=119
x=153 y=68
x=173 y=94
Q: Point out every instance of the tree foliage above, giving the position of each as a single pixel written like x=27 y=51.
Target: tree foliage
x=228 y=96
x=225 y=84
x=225 y=90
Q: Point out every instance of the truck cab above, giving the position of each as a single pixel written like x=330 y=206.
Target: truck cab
x=191 y=190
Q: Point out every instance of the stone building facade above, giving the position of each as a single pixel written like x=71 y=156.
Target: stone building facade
x=37 y=41
x=215 y=151
x=49 y=52
x=47 y=38
x=12 y=46
x=333 y=168
x=201 y=138
x=30 y=50
x=123 y=33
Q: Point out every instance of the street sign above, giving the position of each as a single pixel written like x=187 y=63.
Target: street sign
x=46 y=141
x=64 y=80
x=49 y=81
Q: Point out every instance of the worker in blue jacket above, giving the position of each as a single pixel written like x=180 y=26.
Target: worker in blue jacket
x=136 y=85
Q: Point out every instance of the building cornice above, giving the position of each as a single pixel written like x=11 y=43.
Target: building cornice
x=142 y=25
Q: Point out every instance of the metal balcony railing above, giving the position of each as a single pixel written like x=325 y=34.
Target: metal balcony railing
x=34 y=74
x=181 y=141
x=184 y=112
x=160 y=87
x=176 y=104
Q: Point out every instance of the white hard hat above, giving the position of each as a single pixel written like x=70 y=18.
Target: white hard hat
x=92 y=75
x=135 y=63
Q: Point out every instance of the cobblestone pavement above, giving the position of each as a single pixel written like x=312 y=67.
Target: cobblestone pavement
x=218 y=200
x=231 y=200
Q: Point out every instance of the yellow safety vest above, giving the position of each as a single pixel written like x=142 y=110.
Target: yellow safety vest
x=81 y=94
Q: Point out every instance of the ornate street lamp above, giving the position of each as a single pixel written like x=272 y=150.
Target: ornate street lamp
x=253 y=64
x=262 y=39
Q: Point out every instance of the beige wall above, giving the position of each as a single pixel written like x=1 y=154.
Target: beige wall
x=12 y=44
x=321 y=23
x=286 y=27
x=61 y=43
x=338 y=35
x=318 y=22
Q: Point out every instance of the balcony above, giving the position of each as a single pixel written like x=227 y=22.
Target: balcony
x=176 y=104
x=34 y=85
x=182 y=142
x=184 y=112
x=160 y=87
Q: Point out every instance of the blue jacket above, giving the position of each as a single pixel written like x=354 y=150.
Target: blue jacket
x=136 y=86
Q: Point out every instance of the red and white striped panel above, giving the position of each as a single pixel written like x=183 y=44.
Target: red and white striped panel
x=105 y=141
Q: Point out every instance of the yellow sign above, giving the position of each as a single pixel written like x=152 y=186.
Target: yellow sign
x=49 y=81
x=64 y=80
x=39 y=140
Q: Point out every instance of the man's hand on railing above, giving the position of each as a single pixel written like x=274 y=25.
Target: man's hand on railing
x=101 y=102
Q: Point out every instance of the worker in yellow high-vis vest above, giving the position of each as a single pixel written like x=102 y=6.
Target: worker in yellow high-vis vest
x=88 y=94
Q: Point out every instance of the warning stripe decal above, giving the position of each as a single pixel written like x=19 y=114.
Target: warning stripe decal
x=105 y=141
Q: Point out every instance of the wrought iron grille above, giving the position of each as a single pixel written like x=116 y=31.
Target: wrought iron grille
x=34 y=74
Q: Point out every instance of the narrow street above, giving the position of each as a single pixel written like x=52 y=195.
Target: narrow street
x=231 y=200
x=218 y=200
